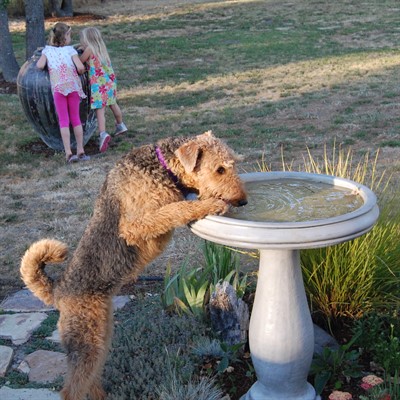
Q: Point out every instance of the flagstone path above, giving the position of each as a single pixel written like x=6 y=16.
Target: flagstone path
x=22 y=313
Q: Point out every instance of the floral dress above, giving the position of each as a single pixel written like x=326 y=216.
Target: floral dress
x=64 y=78
x=103 y=84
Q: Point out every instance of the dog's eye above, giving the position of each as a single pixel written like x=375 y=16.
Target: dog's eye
x=221 y=170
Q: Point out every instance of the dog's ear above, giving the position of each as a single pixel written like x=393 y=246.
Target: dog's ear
x=188 y=155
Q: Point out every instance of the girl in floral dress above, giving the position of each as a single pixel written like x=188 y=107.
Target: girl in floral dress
x=64 y=65
x=103 y=83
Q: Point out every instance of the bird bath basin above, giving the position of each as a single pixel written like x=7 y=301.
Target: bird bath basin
x=287 y=212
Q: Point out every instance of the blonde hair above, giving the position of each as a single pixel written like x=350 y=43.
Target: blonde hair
x=57 y=34
x=91 y=38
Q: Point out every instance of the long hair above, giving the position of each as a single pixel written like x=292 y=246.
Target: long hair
x=91 y=38
x=57 y=34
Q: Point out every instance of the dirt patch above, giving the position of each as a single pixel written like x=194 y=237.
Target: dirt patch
x=40 y=148
x=78 y=18
x=7 y=87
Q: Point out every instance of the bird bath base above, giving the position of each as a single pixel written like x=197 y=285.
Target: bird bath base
x=281 y=333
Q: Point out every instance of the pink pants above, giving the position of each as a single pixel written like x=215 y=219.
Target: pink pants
x=67 y=108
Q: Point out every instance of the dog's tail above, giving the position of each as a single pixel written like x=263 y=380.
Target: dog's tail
x=33 y=263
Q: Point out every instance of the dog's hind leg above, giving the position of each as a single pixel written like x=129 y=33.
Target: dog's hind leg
x=85 y=330
x=96 y=391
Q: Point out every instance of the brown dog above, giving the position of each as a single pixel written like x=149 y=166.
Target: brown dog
x=140 y=204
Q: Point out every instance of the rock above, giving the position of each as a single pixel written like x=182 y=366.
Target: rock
x=7 y=393
x=19 y=327
x=6 y=355
x=23 y=367
x=229 y=315
x=24 y=301
x=55 y=337
x=322 y=339
x=120 y=302
x=46 y=366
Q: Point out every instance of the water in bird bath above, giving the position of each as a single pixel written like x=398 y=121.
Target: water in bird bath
x=296 y=200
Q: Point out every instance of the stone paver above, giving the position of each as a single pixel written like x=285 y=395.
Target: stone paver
x=23 y=301
x=41 y=366
x=120 y=301
x=7 y=393
x=6 y=355
x=55 y=337
x=46 y=366
x=19 y=327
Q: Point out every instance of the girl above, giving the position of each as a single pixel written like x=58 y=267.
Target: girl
x=103 y=84
x=63 y=62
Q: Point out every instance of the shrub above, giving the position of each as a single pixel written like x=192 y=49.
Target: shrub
x=379 y=335
x=335 y=366
x=146 y=342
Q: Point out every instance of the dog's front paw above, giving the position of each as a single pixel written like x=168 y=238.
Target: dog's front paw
x=218 y=207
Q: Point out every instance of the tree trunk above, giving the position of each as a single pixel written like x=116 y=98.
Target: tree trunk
x=61 y=8
x=8 y=62
x=34 y=20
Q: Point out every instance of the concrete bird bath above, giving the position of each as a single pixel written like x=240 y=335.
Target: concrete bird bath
x=298 y=211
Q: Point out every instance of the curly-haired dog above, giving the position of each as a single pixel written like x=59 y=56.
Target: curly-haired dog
x=140 y=204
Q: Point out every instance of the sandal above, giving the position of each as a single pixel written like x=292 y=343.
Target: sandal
x=83 y=157
x=72 y=158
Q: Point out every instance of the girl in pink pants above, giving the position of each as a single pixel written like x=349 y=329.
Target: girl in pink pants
x=64 y=65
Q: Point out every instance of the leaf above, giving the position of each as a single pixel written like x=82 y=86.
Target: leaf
x=223 y=365
x=321 y=380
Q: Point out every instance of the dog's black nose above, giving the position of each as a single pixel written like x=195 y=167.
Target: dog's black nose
x=242 y=202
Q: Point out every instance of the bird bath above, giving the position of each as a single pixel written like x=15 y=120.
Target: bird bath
x=307 y=211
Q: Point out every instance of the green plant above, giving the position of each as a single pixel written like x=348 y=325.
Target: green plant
x=188 y=290
x=146 y=341
x=185 y=292
x=201 y=389
x=387 y=351
x=230 y=354
x=15 y=379
x=334 y=366
x=207 y=347
x=175 y=388
x=38 y=338
x=222 y=264
x=378 y=334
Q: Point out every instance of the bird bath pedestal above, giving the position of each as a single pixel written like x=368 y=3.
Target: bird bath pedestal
x=281 y=332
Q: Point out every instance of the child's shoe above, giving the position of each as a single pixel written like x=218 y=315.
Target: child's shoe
x=120 y=129
x=104 y=140
x=72 y=158
x=83 y=157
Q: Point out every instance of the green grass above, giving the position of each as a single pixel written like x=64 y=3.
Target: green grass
x=215 y=65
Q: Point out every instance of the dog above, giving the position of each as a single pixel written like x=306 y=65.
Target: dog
x=140 y=203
